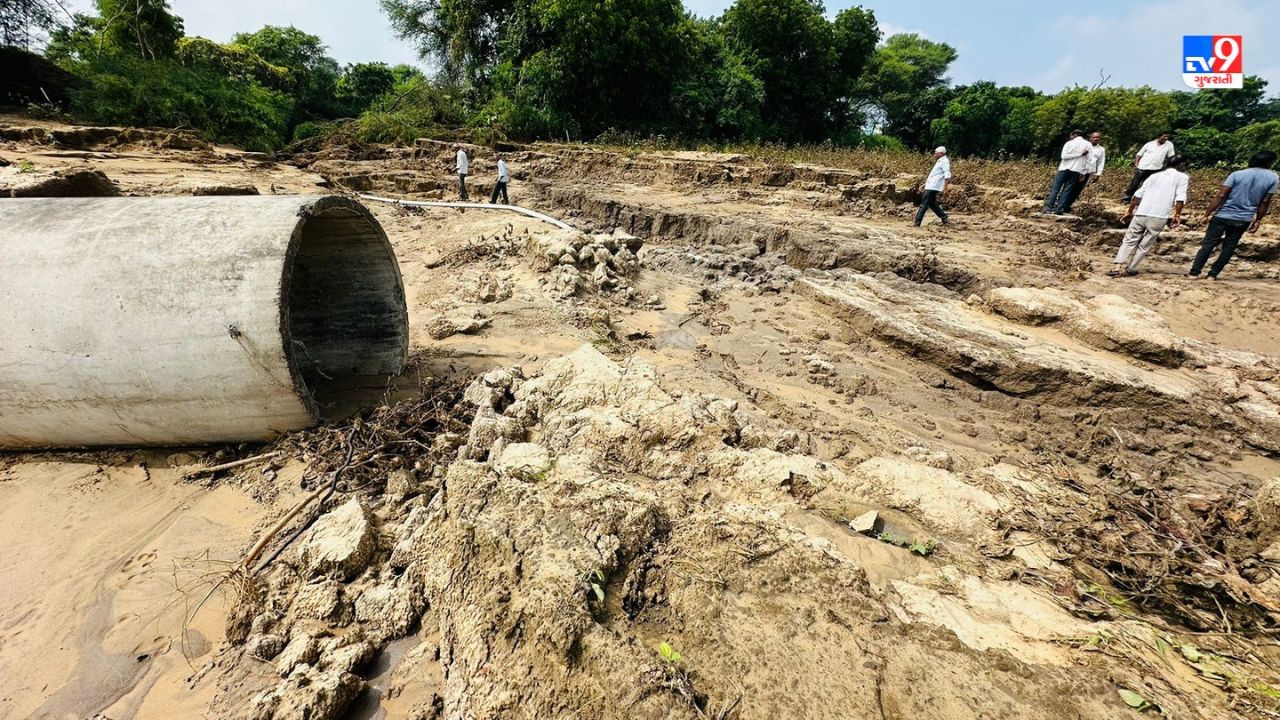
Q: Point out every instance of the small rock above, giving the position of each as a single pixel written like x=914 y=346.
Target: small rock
x=302 y=649
x=527 y=460
x=264 y=647
x=341 y=543
x=349 y=658
x=309 y=694
x=401 y=484
x=320 y=601
x=867 y=522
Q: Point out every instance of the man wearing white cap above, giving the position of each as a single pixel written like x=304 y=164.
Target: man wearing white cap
x=934 y=186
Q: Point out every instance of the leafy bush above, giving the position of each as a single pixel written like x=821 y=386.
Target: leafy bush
x=130 y=91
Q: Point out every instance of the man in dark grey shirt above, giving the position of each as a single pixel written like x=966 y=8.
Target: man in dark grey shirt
x=1241 y=204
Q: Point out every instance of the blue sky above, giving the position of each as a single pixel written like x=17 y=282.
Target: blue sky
x=1013 y=42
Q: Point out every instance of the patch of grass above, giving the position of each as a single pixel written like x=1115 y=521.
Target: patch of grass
x=26 y=166
x=923 y=549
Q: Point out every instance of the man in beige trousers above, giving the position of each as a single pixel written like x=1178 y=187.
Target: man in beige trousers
x=1161 y=195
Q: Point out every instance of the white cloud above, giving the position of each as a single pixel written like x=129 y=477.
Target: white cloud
x=1061 y=72
x=889 y=29
x=1142 y=43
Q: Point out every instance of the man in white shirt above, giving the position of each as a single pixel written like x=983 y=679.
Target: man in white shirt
x=1150 y=159
x=1075 y=164
x=934 y=186
x=1161 y=195
x=501 y=184
x=1097 y=161
x=462 y=167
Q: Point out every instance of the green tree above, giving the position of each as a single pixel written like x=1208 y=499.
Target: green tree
x=1225 y=110
x=22 y=22
x=304 y=55
x=363 y=83
x=791 y=48
x=715 y=95
x=461 y=36
x=1017 y=128
x=1255 y=138
x=906 y=79
x=971 y=122
x=234 y=61
x=143 y=28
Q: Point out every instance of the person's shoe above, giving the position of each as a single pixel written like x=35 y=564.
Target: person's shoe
x=1194 y=276
x=1213 y=277
x=1113 y=272
x=1130 y=273
x=915 y=224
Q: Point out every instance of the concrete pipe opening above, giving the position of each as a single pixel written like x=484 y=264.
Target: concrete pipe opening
x=135 y=321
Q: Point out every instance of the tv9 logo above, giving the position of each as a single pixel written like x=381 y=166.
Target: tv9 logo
x=1212 y=61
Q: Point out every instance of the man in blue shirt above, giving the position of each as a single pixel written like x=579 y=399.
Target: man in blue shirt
x=1241 y=204
x=934 y=186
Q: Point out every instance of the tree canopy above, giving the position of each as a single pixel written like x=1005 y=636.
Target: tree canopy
x=763 y=71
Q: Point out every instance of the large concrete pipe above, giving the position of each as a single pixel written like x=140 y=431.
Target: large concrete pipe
x=131 y=321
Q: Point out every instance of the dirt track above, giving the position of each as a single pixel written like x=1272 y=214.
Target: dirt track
x=668 y=446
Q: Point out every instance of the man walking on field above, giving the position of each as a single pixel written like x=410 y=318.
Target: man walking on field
x=1241 y=204
x=1162 y=194
x=1093 y=173
x=501 y=184
x=934 y=186
x=1072 y=169
x=1151 y=159
x=462 y=167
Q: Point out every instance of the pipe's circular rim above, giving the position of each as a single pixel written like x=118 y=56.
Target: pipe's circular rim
x=324 y=205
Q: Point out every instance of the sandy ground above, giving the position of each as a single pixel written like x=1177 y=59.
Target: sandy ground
x=948 y=412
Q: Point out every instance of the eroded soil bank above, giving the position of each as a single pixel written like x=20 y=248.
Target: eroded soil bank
x=630 y=471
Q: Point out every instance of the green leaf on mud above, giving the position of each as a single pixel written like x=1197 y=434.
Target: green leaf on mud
x=668 y=653
x=1191 y=653
x=1133 y=699
x=599 y=592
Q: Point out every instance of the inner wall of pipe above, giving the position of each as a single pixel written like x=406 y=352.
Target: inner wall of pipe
x=346 y=312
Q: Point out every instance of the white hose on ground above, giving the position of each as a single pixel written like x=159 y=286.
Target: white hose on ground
x=478 y=206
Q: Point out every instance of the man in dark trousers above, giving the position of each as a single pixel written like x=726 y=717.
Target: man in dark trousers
x=1075 y=164
x=934 y=186
x=1150 y=159
x=1241 y=204
x=462 y=166
x=501 y=185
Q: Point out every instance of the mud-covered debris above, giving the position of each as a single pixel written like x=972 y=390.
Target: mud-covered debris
x=265 y=646
x=401 y=484
x=527 y=460
x=302 y=649
x=441 y=327
x=321 y=600
x=1034 y=306
x=391 y=608
x=341 y=542
x=308 y=694
x=60 y=183
x=239 y=189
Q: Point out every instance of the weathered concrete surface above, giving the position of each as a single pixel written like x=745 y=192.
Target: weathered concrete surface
x=133 y=321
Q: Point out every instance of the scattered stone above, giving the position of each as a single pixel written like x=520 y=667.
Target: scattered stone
x=528 y=460
x=868 y=522
x=440 y=327
x=341 y=543
x=321 y=600
x=302 y=649
x=349 y=658
x=308 y=694
x=1035 y=306
x=401 y=484
x=264 y=647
